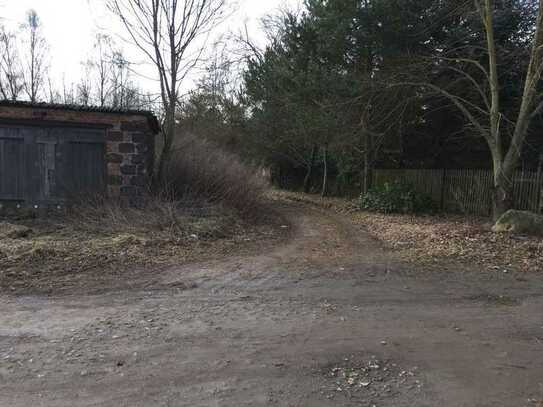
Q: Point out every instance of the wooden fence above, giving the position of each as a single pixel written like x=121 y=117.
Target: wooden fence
x=467 y=191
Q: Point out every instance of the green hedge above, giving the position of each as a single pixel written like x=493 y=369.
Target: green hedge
x=396 y=197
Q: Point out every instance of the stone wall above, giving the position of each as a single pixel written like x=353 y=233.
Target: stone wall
x=130 y=138
x=129 y=161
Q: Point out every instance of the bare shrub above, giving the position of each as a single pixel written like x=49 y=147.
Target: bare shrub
x=200 y=168
x=159 y=213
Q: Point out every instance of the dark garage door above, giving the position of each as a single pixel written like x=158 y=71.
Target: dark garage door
x=50 y=164
x=86 y=167
x=11 y=168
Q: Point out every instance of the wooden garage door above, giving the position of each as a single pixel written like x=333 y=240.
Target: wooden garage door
x=12 y=168
x=50 y=164
x=86 y=167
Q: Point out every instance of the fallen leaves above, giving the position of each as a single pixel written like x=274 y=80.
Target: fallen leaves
x=432 y=239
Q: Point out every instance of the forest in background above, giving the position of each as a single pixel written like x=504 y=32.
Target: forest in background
x=341 y=88
x=347 y=86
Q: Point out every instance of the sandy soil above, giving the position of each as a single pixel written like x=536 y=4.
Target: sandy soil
x=327 y=318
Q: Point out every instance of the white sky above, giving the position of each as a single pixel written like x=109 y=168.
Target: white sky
x=70 y=27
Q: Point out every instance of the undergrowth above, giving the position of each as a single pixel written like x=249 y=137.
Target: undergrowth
x=396 y=197
x=200 y=169
x=103 y=237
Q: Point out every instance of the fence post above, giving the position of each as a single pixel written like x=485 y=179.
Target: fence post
x=442 y=202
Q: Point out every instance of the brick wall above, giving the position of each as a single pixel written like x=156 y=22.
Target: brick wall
x=130 y=141
x=127 y=158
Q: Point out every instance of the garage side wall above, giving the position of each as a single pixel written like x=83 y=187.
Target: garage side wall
x=129 y=157
x=129 y=145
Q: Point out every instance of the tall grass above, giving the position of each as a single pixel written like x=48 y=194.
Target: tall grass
x=201 y=169
x=176 y=218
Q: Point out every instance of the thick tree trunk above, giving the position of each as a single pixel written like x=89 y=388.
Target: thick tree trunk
x=503 y=201
x=309 y=174
x=325 y=172
x=503 y=194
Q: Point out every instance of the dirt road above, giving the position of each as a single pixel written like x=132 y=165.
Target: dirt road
x=328 y=318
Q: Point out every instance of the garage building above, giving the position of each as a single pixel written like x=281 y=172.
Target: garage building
x=50 y=153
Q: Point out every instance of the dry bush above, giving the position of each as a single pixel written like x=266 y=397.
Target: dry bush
x=159 y=213
x=99 y=238
x=200 y=168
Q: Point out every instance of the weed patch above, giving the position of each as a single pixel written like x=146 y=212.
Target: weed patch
x=99 y=240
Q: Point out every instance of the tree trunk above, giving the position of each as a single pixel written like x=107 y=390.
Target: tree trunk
x=168 y=135
x=503 y=194
x=307 y=180
x=503 y=201
x=368 y=170
x=325 y=173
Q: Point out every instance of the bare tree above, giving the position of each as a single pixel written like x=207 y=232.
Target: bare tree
x=11 y=76
x=107 y=77
x=84 y=87
x=120 y=79
x=101 y=64
x=53 y=94
x=68 y=92
x=505 y=136
x=505 y=160
x=171 y=34
x=35 y=60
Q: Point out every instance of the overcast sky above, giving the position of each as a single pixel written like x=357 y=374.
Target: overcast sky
x=70 y=26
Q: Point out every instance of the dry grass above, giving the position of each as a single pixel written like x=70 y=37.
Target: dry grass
x=103 y=238
x=163 y=216
x=210 y=204
x=199 y=168
x=435 y=240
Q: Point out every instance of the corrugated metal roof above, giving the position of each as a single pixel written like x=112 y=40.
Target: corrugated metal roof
x=82 y=108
